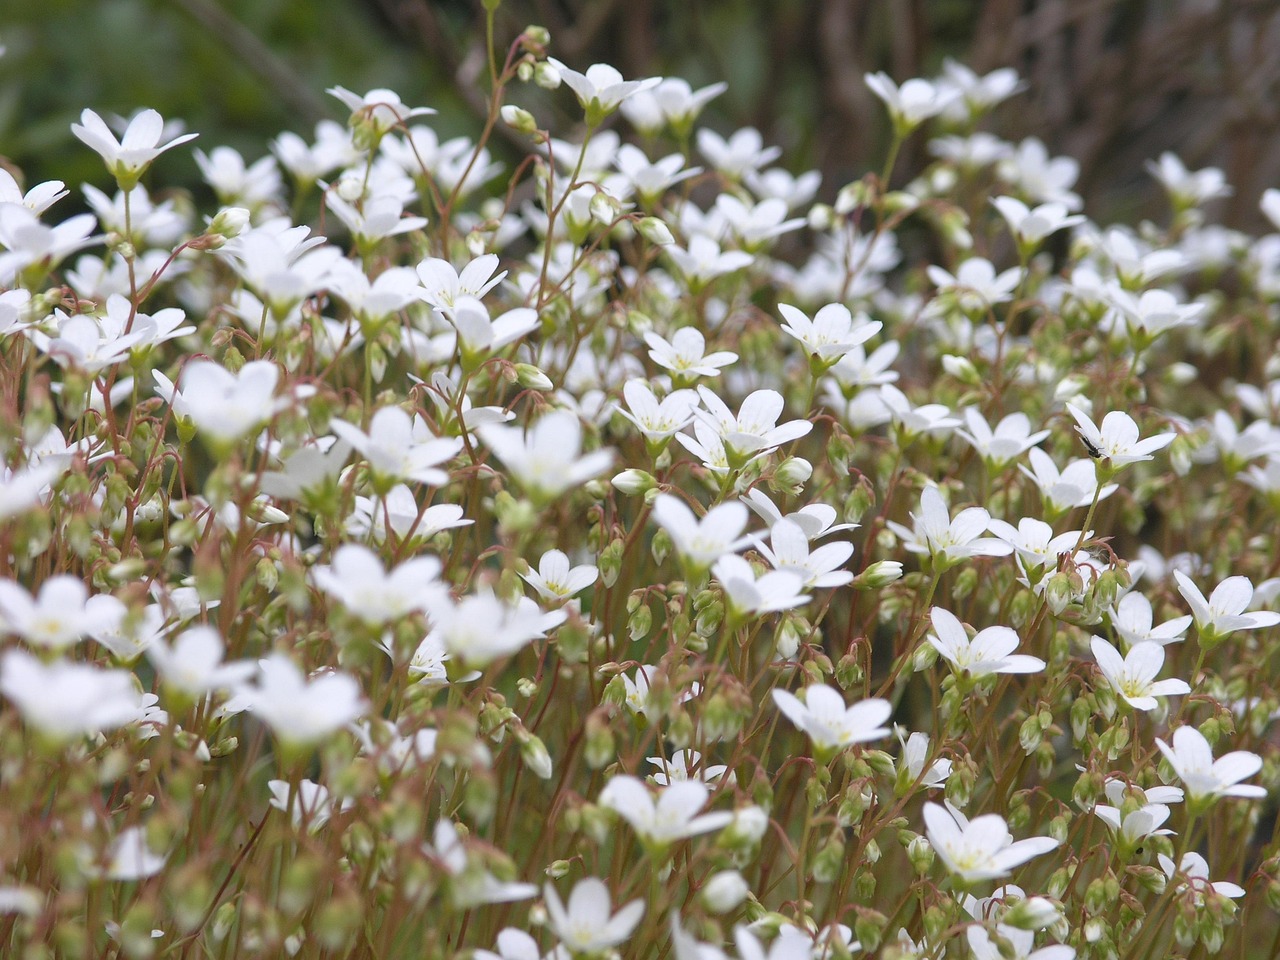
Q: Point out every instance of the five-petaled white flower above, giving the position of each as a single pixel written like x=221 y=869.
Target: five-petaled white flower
x=673 y=816
x=1133 y=619
x=749 y=595
x=832 y=332
x=601 y=88
x=1224 y=612
x=981 y=848
x=1204 y=778
x=685 y=354
x=830 y=724
x=299 y=711
x=1196 y=870
x=360 y=582
x=701 y=542
x=1133 y=676
x=546 y=459
x=1116 y=441
x=128 y=157
x=587 y=923
x=990 y=650
x=556 y=581
x=945 y=540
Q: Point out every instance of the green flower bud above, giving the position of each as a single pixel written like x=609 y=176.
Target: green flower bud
x=519 y=119
x=655 y=231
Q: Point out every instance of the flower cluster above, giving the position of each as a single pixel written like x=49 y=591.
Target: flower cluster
x=540 y=561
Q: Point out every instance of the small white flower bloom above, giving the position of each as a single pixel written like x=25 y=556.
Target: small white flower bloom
x=1116 y=441
x=749 y=595
x=58 y=616
x=673 y=816
x=224 y=405
x=946 y=540
x=129 y=156
x=546 y=460
x=470 y=884
x=299 y=711
x=1065 y=489
x=978 y=849
x=194 y=663
x=64 y=700
x=832 y=333
x=1224 y=612
x=1195 y=869
x=359 y=581
x=685 y=354
x=1021 y=945
x=400 y=447
x=1132 y=621
x=381 y=107
x=556 y=581
x=830 y=724
x=601 y=88
x=990 y=650
x=587 y=924
x=130 y=857
x=1030 y=226
x=1204 y=778
x=1011 y=438
x=788 y=549
x=312 y=804
x=1133 y=677
x=702 y=542
x=481 y=627
x=914 y=102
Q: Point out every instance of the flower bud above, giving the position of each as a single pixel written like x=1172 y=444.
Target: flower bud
x=534 y=754
x=724 y=891
x=531 y=378
x=921 y=855
x=655 y=231
x=880 y=574
x=633 y=482
x=519 y=119
x=546 y=76
x=962 y=369
x=793 y=473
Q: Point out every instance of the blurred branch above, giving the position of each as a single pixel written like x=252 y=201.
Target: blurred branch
x=258 y=57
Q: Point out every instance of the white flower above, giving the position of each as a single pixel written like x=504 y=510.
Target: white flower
x=1036 y=546
x=442 y=285
x=1188 y=188
x=129 y=156
x=748 y=595
x=1195 y=869
x=832 y=332
x=998 y=448
x=672 y=102
x=470 y=884
x=914 y=102
x=298 y=711
x=30 y=245
x=673 y=816
x=743 y=153
x=601 y=88
x=400 y=447
x=911 y=765
x=130 y=857
x=1133 y=828
x=1204 y=778
x=194 y=663
x=64 y=700
x=976 y=285
x=818 y=569
x=685 y=765
x=978 y=849
x=1030 y=226
x=1065 y=489
x=587 y=924
x=311 y=806
x=1132 y=621
x=481 y=627
x=1021 y=943
x=946 y=540
x=912 y=421
x=381 y=107
x=657 y=420
x=1224 y=612
x=546 y=460
x=359 y=581
x=478 y=334
x=637 y=687
x=685 y=354
x=990 y=650
x=702 y=542
x=829 y=723
x=224 y=405
x=754 y=430
x=724 y=891
x=703 y=260
x=58 y=616
x=1117 y=440
x=1133 y=676
x=556 y=581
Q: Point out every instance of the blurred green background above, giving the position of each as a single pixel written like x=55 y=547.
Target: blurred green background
x=1112 y=82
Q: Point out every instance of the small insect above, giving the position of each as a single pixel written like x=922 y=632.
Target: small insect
x=1088 y=445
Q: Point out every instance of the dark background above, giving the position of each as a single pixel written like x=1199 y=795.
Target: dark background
x=1112 y=82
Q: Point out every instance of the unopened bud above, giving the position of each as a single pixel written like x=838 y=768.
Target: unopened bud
x=655 y=231
x=724 y=891
x=519 y=119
